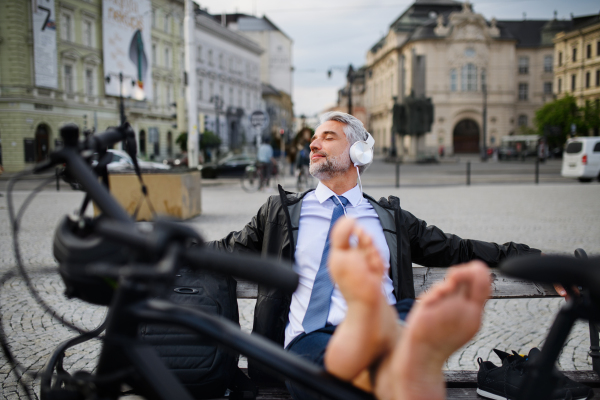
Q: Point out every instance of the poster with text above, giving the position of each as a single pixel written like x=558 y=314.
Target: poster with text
x=126 y=26
x=44 y=43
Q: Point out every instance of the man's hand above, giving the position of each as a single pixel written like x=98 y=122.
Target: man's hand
x=562 y=292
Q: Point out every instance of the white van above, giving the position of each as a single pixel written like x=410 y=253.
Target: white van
x=581 y=159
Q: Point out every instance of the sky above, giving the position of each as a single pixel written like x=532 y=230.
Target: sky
x=332 y=34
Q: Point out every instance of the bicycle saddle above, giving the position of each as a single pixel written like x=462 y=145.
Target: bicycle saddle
x=556 y=269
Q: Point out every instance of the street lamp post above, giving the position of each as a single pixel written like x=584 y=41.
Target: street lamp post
x=484 y=125
x=350 y=75
x=121 y=99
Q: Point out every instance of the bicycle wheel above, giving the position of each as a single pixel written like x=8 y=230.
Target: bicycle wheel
x=251 y=180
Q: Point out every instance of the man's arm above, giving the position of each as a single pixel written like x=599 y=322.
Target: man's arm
x=249 y=239
x=431 y=247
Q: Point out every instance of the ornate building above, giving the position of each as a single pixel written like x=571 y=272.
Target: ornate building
x=445 y=51
x=577 y=60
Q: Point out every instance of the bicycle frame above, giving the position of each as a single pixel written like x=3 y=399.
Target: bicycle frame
x=131 y=305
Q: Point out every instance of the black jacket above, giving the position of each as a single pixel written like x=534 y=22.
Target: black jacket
x=273 y=231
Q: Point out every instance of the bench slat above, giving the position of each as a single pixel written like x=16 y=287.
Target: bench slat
x=503 y=287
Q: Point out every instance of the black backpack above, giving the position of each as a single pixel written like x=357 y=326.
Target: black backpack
x=205 y=369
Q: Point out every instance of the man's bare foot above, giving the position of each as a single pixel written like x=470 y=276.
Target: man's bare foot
x=369 y=329
x=445 y=319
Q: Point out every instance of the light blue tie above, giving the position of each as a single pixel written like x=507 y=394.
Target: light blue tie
x=320 y=297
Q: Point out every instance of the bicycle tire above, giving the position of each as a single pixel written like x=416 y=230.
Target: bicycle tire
x=251 y=181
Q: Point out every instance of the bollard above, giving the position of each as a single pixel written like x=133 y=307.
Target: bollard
x=537 y=171
x=468 y=173
x=397 y=174
x=57 y=179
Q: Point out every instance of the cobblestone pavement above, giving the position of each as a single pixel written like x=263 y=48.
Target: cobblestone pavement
x=552 y=217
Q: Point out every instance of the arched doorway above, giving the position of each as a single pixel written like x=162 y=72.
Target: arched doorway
x=42 y=142
x=143 y=142
x=466 y=137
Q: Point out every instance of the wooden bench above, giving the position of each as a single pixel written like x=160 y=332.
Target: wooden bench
x=460 y=384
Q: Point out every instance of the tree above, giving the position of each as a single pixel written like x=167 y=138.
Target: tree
x=182 y=142
x=554 y=120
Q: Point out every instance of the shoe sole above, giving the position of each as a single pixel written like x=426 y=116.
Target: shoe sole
x=493 y=396
x=489 y=395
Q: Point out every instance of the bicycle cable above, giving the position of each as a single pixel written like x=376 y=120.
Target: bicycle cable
x=18 y=369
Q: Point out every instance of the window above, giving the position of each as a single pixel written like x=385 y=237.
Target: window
x=469 y=78
x=67 y=26
x=155 y=92
x=547 y=63
x=167 y=24
x=598 y=48
x=559 y=58
x=230 y=97
x=596 y=148
x=221 y=60
x=154 y=53
x=523 y=65
x=154 y=17
x=211 y=91
x=222 y=92
x=248 y=100
x=239 y=102
x=523 y=91
x=200 y=89
x=587 y=80
x=88 y=33
x=589 y=51
x=574 y=58
x=559 y=85
x=522 y=120
x=199 y=54
x=168 y=57
x=598 y=77
x=169 y=94
x=547 y=87
x=210 y=57
x=573 y=82
x=89 y=82
x=68 y=81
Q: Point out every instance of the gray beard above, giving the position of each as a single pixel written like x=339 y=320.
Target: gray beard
x=331 y=167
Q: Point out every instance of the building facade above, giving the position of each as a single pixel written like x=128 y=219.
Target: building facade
x=229 y=87
x=445 y=51
x=46 y=82
x=577 y=60
x=276 y=70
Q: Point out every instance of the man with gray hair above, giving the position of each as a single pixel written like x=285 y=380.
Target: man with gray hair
x=294 y=227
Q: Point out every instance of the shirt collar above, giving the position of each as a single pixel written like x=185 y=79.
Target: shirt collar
x=323 y=193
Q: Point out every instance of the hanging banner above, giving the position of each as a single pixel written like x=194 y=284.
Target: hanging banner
x=44 y=43
x=126 y=26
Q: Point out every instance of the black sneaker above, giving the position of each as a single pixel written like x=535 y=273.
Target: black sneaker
x=503 y=383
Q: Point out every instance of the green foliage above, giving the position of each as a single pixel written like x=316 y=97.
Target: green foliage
x=209 y=140
x=554 y=120
x=182 y=141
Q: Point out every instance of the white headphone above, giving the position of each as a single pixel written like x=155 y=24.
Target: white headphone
x=361 y=152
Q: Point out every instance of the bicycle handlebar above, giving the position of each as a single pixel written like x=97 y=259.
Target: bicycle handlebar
x=265 y=271
x=556 y=269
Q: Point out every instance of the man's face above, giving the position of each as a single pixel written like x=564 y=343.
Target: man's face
x=329 y=151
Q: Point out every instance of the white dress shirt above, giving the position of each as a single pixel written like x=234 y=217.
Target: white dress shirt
x=315 y=218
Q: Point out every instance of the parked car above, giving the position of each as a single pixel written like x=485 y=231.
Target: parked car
x=231 y=165
x=581 y=159
x=122 y=162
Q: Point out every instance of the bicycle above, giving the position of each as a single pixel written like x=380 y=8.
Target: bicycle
x=569 y=272
x=255 y=178
x=305 y=179
x=94 y=273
